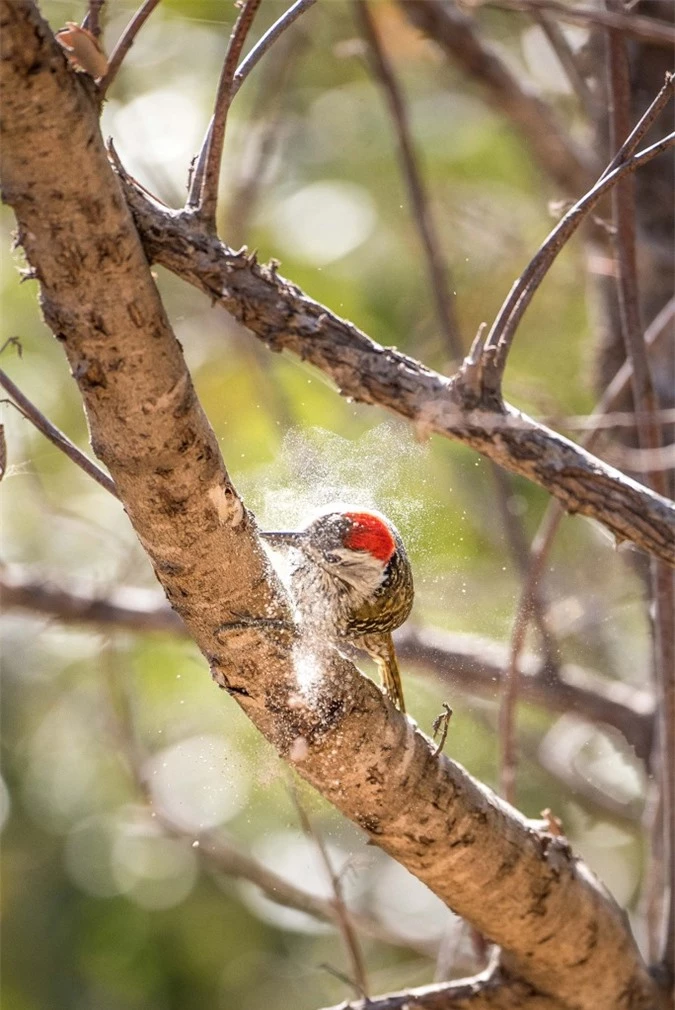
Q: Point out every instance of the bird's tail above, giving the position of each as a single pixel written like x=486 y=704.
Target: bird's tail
x=390 y=674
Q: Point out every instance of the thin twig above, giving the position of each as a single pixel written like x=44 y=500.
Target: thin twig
x=659 y=33
x=92 y=19
x=564 y=161
x=344 y=919
x=50 y=431
x=203 y=195
x=541 y=547
x=436 y=265
x=262 y=140
x=567 y=59
x=643 y=125
x=267 y=41
x=125 y=43
x=499 y=340
x=649 y=438
x=520 y=554
x=244 y=69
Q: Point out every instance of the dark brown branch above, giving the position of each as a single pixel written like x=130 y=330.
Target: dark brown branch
x=147 y=426
x=283 y=317
x=568 y=60
x=498 y=342
x=565 y=163
x=267 y=41
x=55 y=436
x=649 y=439
x=204 y=191
x=467 y=662
x=658 y=33
x=436 y=265
x=477 y=665
x=257 y=52
x=92 y=19
x=643 y=125
x=543 y=540
x=125 y=43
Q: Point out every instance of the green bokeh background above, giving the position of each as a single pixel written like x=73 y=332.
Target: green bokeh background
x=100 y=911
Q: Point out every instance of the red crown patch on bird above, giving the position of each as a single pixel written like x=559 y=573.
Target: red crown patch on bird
x=370 y=533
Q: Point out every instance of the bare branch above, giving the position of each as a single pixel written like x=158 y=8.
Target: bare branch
x=499 y=339
x=146 y=424
x=562 y=161
x=649 y=439
x=568 y=60
x=466 y=662
x=658 y=33
x=548 y=527
x=285 y=318
x=343 y=915
x=491 y=990
x=643 y=125
x=125 y=43
x=436 y=265
x=55 y=436
x=92 y=19
x=195 y=196
x=204 y=190
x=267 y=41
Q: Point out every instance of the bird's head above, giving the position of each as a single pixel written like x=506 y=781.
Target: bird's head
x=354 y=546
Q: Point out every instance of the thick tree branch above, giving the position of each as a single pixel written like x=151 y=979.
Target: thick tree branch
x=284 y=318
x=564 y=934
x=465 y=662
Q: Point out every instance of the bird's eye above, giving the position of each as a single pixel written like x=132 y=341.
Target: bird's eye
x=332 y=559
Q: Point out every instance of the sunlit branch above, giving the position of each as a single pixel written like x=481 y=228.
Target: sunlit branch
x=472 y=664
x=284 y=317
x=268 y=40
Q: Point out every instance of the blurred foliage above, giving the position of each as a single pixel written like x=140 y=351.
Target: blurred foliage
x=100 y=910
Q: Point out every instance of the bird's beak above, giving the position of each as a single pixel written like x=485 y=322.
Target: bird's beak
x=291 y=539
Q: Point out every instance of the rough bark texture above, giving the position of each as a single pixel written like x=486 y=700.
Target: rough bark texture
x=284 y=318
x=523 y=889
x=464 y=662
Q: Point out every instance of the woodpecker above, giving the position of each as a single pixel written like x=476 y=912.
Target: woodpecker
x=352 y=582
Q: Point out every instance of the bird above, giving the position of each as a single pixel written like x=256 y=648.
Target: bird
x=352 y=582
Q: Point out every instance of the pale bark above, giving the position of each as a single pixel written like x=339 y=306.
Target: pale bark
x=465 y=662
x=524 y=890
x=284 y=318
